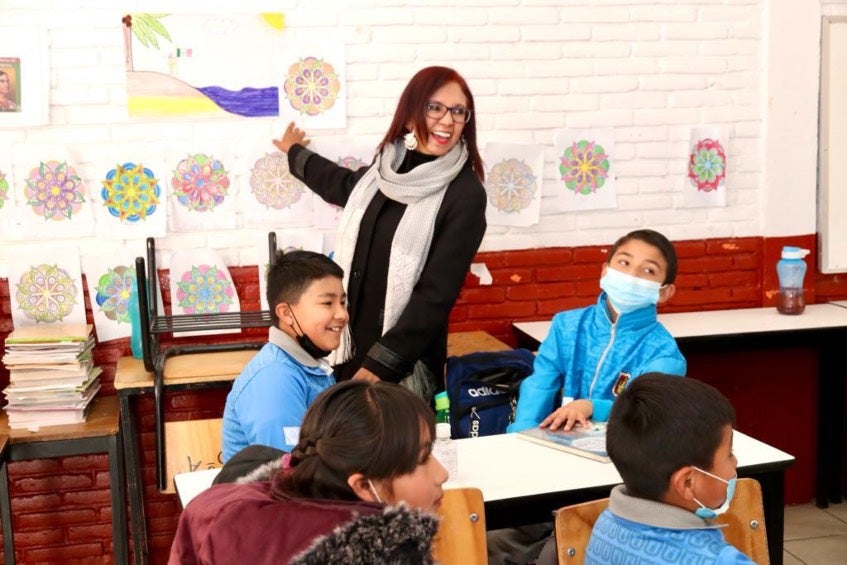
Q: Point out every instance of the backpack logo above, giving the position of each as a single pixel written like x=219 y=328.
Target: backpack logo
x=485 y=391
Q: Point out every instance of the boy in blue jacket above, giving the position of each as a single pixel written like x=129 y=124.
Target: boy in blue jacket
x=269 y=398
x=592 y=353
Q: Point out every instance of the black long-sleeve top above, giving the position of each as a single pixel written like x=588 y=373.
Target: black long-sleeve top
x=421 y=331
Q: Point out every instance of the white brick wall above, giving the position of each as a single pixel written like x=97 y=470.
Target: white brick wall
x=648 y=72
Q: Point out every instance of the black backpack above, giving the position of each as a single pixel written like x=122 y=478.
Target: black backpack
x=483 y=390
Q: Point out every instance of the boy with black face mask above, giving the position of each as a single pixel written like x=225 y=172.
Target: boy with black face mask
x=590 y=354
x=270 y=396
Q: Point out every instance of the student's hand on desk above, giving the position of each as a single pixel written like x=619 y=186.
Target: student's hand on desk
x=365 y=375
x=292 y=135
x=568 y=415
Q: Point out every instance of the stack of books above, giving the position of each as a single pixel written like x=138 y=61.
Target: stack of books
x=52 y=377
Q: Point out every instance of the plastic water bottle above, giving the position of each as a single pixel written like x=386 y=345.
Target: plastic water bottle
x=791 y=269
x=135 y=322
x=444 y=449
x=442 y=408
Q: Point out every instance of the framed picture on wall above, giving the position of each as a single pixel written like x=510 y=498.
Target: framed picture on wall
x=24 y=77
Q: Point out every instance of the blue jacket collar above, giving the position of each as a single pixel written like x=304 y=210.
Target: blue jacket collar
x=637 y=320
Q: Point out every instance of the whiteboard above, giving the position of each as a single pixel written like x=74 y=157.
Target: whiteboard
x=832 y=201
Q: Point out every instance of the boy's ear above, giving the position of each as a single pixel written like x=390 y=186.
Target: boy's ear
x=666 y=292
x=283 y=312
x=359 y=484
x=682 y=484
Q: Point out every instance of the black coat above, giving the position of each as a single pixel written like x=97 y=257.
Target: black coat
x=421 y=331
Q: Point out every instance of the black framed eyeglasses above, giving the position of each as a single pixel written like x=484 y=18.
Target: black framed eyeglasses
x=436 y=110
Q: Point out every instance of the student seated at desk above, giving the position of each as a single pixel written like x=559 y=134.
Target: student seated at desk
x=591 y=353
x=361 y=486
x=671 y=441
x=270 y=396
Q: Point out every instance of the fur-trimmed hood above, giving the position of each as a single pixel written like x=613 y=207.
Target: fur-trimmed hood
x=399 y=535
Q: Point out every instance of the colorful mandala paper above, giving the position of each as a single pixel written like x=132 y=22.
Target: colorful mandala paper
x=204 y=290
x=584 y=167
x=4 y=189
x=130 y=192
x=113 y=290
x=311 y=86
x=707 y=165
x=273 y=184
x=511 y=185
x=54 y=190
x=352 y=163
x=46 y=293
x=200 y=182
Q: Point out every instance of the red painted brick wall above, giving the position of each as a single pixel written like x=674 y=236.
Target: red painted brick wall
x=61 y=506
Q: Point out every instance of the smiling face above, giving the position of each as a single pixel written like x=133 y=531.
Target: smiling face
x=441 y=134
x=321 y=313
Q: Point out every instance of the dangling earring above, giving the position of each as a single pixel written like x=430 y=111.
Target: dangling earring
x=410 y=142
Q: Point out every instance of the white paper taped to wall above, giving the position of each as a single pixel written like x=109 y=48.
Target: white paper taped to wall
x=481 y=270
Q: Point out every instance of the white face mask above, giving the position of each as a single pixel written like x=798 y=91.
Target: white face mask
x=711 y=513
x=628 y=293
x=373 y=491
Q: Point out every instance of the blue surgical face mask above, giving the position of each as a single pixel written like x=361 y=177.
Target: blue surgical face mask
x=711 y=513
x=628 y=293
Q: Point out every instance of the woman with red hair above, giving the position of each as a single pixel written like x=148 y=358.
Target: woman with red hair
x=411 y=225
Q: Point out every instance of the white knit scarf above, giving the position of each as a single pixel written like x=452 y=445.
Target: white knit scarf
x=422 y=189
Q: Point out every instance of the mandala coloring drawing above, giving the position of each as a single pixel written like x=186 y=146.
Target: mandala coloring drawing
x=131 y=192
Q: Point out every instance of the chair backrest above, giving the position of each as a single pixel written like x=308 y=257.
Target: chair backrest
x=745 y=522
x=461 y=536
x=191 y=445
x=573 y=528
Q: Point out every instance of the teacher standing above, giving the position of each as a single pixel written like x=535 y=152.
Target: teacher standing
x=411 y=225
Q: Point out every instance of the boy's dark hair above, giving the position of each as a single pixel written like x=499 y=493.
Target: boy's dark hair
x=661 y=423
x=293 y=272
x=658 y=241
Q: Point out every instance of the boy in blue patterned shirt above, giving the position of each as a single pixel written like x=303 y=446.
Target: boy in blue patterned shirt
x=671 y=441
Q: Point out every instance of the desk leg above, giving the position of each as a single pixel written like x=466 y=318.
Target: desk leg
x=773 y=500
x=831 y=416
x=135 y=482
x=6 y=516
x=116 y=472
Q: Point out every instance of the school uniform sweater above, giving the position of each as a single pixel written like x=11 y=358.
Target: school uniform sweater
x=636 y=530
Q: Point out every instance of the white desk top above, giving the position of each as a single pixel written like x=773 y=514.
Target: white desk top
x=723 y=322
x=505 y=466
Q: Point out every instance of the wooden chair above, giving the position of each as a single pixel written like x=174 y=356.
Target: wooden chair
x=461 y=536
x=192 y=445
x=745 y=521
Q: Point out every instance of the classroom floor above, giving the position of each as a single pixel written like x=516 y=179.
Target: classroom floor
x=815 y=536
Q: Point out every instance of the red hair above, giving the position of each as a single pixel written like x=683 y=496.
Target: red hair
x=411 y=105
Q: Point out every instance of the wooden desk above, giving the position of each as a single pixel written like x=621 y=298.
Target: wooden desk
x=462 y=343
x=100 y=433
x=523 y=482
x=6 y=503
x=822 y=327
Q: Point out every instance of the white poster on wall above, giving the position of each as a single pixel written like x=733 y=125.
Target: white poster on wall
x=513 y=181
x=585 y=163
x=705 y=184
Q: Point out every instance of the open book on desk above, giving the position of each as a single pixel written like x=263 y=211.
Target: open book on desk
x=587 y=442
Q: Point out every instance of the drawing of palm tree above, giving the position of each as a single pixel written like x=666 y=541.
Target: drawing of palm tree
x=145 y=28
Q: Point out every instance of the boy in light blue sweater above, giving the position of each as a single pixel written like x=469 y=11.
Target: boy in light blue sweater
x=269 y=398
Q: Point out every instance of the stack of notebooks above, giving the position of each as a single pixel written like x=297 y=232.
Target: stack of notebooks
x=52 y=377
